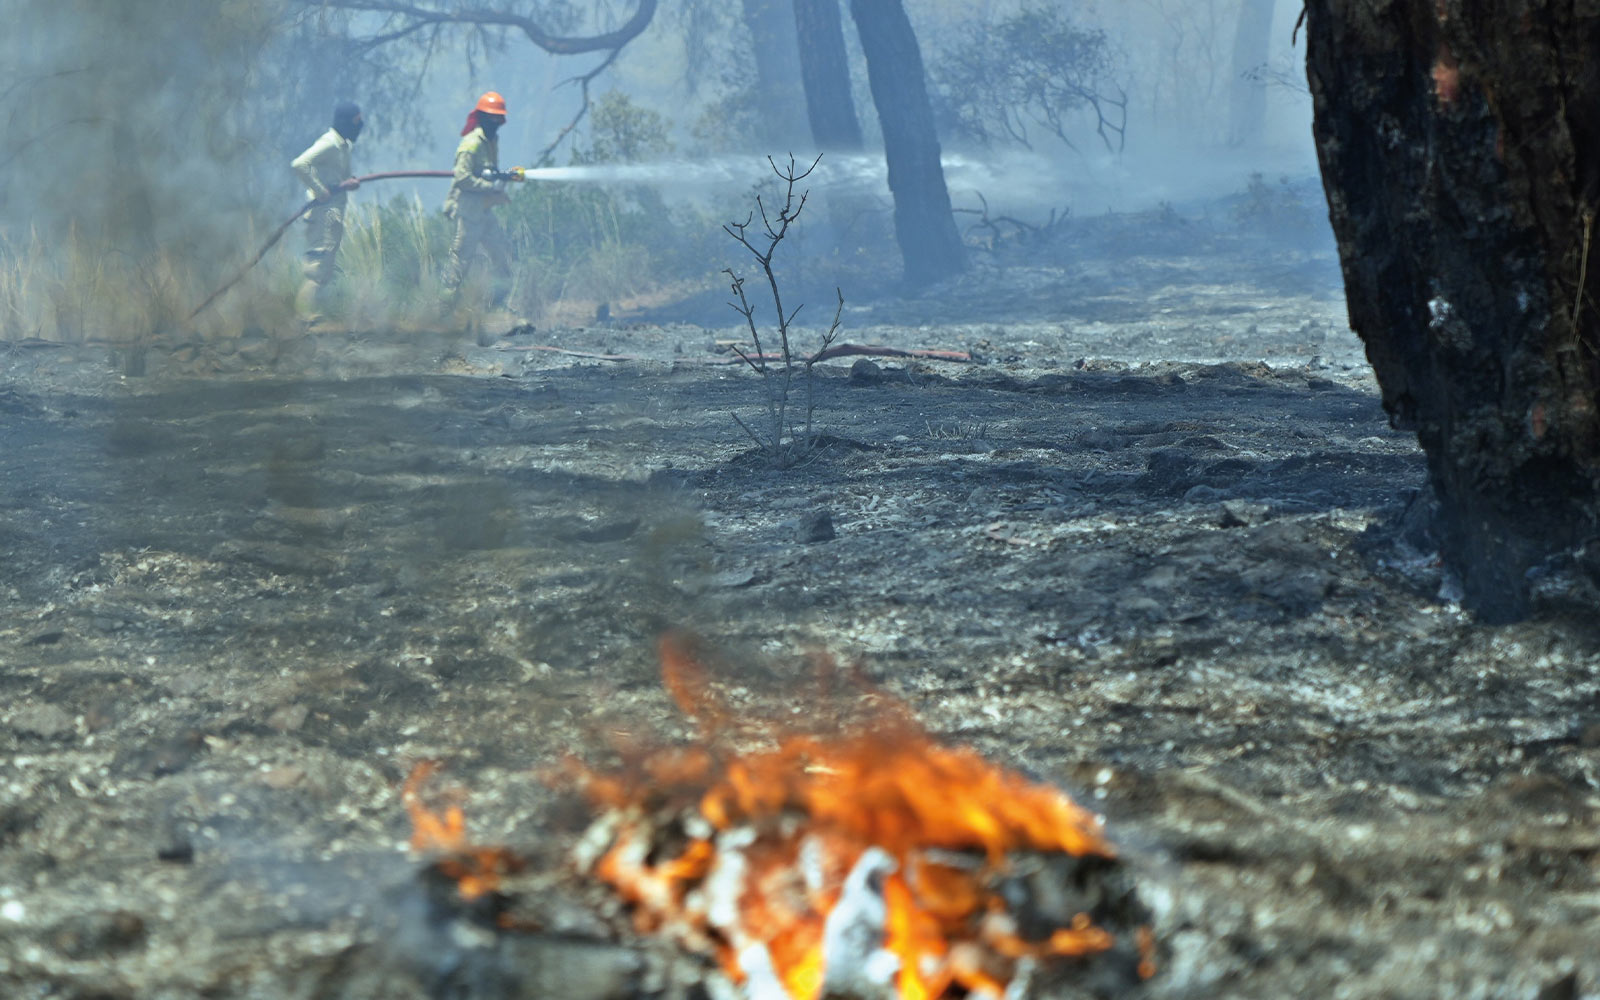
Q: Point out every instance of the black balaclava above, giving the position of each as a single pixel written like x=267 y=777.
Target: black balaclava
x=490 y=123
x=347 y=120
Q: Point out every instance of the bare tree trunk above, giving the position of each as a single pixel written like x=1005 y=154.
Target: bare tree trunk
x=779 y=93
x=825 y=71
x=1460 y=150
x=924 y=224
x=1247 y=93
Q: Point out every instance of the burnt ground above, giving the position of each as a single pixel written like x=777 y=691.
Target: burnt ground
x=1149 y=547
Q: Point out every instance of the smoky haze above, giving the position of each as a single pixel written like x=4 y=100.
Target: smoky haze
x=128 y=158
x=146 y=143
x=1058 y=447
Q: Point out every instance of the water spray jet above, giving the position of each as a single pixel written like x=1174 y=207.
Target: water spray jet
x=1031 y=177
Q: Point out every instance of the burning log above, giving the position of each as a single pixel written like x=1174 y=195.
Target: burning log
x=873 y=863
x=870 y=863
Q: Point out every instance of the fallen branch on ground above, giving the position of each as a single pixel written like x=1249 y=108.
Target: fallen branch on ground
x=833 y=351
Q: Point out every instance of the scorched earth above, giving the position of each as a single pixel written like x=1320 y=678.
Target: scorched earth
x=1150 y=546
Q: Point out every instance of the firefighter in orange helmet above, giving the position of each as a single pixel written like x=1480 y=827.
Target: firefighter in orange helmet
x=479 y=186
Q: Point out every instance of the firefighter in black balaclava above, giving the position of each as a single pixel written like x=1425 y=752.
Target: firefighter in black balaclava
x=325 y=169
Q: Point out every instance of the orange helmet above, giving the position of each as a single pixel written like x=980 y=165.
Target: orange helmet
x=491 y=103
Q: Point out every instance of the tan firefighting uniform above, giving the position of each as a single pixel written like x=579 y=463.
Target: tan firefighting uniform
x=322 y=167
x=468 y=203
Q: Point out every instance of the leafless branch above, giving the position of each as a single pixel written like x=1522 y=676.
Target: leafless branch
x=821 y=352
x=54 y=132
x=1029 y=231
x=746 y=428
x=365 y=45
x=543 y=159
x=406 y=19
x=745 y=309
x=549 y=41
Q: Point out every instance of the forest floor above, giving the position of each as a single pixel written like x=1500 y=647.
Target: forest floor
x=1147 y=545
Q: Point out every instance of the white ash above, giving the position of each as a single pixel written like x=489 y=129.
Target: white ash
x=761 y=979
x=596 y=840
x=723 y=886
x=855 y=965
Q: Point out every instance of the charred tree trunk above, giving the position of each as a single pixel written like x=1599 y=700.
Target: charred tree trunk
x=1247 y=93
x=1460 y=150
x=825 y=71
x=779 y=95
x=924 y=224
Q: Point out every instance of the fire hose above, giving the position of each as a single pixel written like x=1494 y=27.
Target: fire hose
x=514 y=174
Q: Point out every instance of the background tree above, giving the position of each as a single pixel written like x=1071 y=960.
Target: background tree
x=1182 y=63
x=924 y=225
x=1030 y=71
x=780 y=96
x=1247 y=92
x=1460 y=150
x=825 y=71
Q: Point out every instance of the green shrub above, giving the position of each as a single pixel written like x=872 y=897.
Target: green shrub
x=1034 y=71
x=620 y=131
x=1274 y=209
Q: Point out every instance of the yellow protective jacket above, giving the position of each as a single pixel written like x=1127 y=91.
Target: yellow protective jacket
x=469 y=192
x=324 y=166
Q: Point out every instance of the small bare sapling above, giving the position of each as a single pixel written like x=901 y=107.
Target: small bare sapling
x=783 y=442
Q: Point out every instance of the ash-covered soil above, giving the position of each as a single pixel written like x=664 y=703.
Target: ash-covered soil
x=1149 y=546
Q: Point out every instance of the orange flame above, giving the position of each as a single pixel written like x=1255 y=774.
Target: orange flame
x=477 y=871
x=784 y=827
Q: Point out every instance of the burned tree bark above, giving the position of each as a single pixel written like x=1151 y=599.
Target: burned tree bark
x=825 y=71
x=778 y=73
x=924 y=225
x=1460 y=150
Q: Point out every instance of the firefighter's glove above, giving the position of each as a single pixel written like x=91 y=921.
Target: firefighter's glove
x=489 y=174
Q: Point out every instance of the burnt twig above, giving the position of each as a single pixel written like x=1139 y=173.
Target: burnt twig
x=1020 y=228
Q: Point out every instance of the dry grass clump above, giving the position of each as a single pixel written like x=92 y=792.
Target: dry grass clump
x=78 y=290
